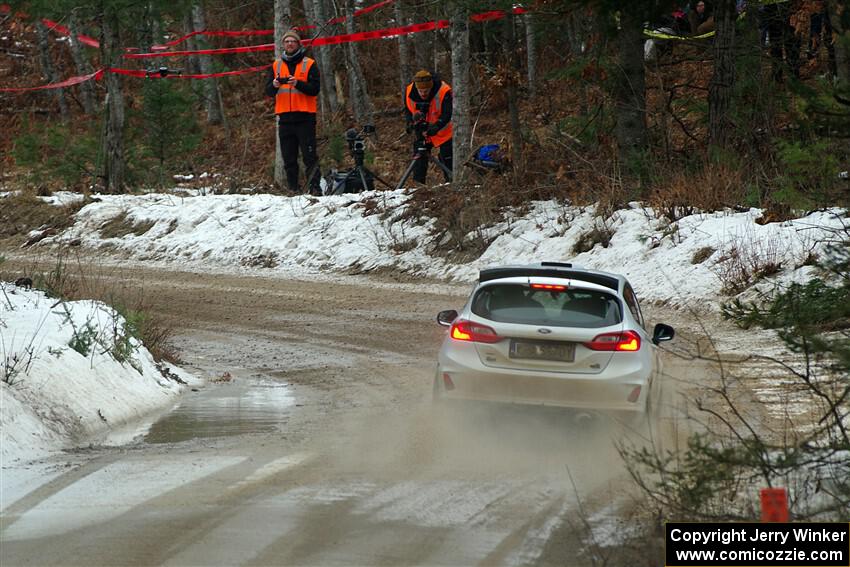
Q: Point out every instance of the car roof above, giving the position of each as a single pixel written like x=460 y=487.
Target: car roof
x=553 y=270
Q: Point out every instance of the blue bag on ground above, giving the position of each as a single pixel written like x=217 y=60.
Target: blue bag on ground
x=490 y=155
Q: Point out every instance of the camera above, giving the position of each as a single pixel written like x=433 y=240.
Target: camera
x=357 y=139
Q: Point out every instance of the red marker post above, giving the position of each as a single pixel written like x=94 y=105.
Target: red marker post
x=774 y=505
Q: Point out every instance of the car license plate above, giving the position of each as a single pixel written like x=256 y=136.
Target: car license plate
x=543 y=350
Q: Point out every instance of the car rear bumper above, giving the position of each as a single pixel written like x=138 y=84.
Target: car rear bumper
x=616 y=389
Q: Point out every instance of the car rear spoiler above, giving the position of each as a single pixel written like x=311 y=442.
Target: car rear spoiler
x=508 y=272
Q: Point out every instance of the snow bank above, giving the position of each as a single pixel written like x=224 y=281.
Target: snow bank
x=296 y=235
x=53 y=396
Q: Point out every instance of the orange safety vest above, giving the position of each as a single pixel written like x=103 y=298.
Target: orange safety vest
x=434 y=112
x=290 y=99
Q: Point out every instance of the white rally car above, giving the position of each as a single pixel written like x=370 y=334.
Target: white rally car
x=551 y=334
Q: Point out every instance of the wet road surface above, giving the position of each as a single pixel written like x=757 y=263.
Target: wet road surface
x=315 y=443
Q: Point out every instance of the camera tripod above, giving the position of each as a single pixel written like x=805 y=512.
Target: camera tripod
x=361 y=171
x=422 y=151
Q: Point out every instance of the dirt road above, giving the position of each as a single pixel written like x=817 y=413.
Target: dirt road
x=320 y=446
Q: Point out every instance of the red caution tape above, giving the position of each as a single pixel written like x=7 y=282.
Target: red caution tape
x=240 y=33
x=379 y=34
x=361 y=11
x=142 y=74
x=495 y=15
x=66 y=83
x=331 y=40
x=62 y=30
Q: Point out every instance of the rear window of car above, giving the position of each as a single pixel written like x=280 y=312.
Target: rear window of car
x=516 y=303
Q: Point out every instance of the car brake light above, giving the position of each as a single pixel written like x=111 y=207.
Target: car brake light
x=548 y=287
x=464 y=330
x=628 y=341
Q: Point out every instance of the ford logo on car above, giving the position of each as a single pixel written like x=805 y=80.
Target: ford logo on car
x=544 y=331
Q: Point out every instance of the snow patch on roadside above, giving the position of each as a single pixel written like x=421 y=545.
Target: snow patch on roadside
x=53 y=396
x=292 y=236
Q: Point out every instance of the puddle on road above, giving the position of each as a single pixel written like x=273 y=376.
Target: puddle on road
x=225 y=410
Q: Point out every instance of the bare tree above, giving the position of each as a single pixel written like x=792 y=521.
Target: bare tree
x=404 y=69
x=282 y=23
x=193 y=63
x=212 y=95
x=531 y=52
x=360 y=101
x=49 y=72
x=723 y=78
x=317 y=13
x=512 y=79
x=110 y=50
x=423 y=45
x=630 y=90
x=837 y=10
x=461 y=119
x=87 y=98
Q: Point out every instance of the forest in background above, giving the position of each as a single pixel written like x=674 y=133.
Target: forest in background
x=563 y=87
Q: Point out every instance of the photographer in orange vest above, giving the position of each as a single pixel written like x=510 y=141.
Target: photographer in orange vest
x=294 y=82
x=428 y=112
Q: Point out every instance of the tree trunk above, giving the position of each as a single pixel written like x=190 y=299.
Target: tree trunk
x=531 y=52
x=512 y=89
x=47 y=66
x=630 y=89
x=423 y=46
x=837 y=9
x=723 y=78
x=212 y=95
x=360 y=101
x=318 y=15
x=282 y=23
x=149 y=28
x=114 y=127
x=461 y=119
x=193 y=64
x=404 y=70
x=575 y=30
x=87 y=98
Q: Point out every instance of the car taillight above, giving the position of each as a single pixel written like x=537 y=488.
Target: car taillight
x=463 y=330
x=548 y=287
x=627 y=341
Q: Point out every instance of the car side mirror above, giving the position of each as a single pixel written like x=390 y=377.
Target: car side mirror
x=446 y=318
x=662 y=333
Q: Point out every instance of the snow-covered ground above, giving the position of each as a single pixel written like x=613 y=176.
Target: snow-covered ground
x=690 y=261
x=70 y=373
x=60 y=397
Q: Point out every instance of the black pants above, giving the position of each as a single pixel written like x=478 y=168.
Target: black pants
x=780 y=32
x=294 y=136
x=420 y=169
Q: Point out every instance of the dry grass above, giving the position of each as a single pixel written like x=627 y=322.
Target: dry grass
x=72 y=278
x=746 y=261
x=121 y=225
x=23 y=211
x=713 y=188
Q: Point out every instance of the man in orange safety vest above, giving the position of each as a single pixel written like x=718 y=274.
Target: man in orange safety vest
x=428 y=111
x=294 y=84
